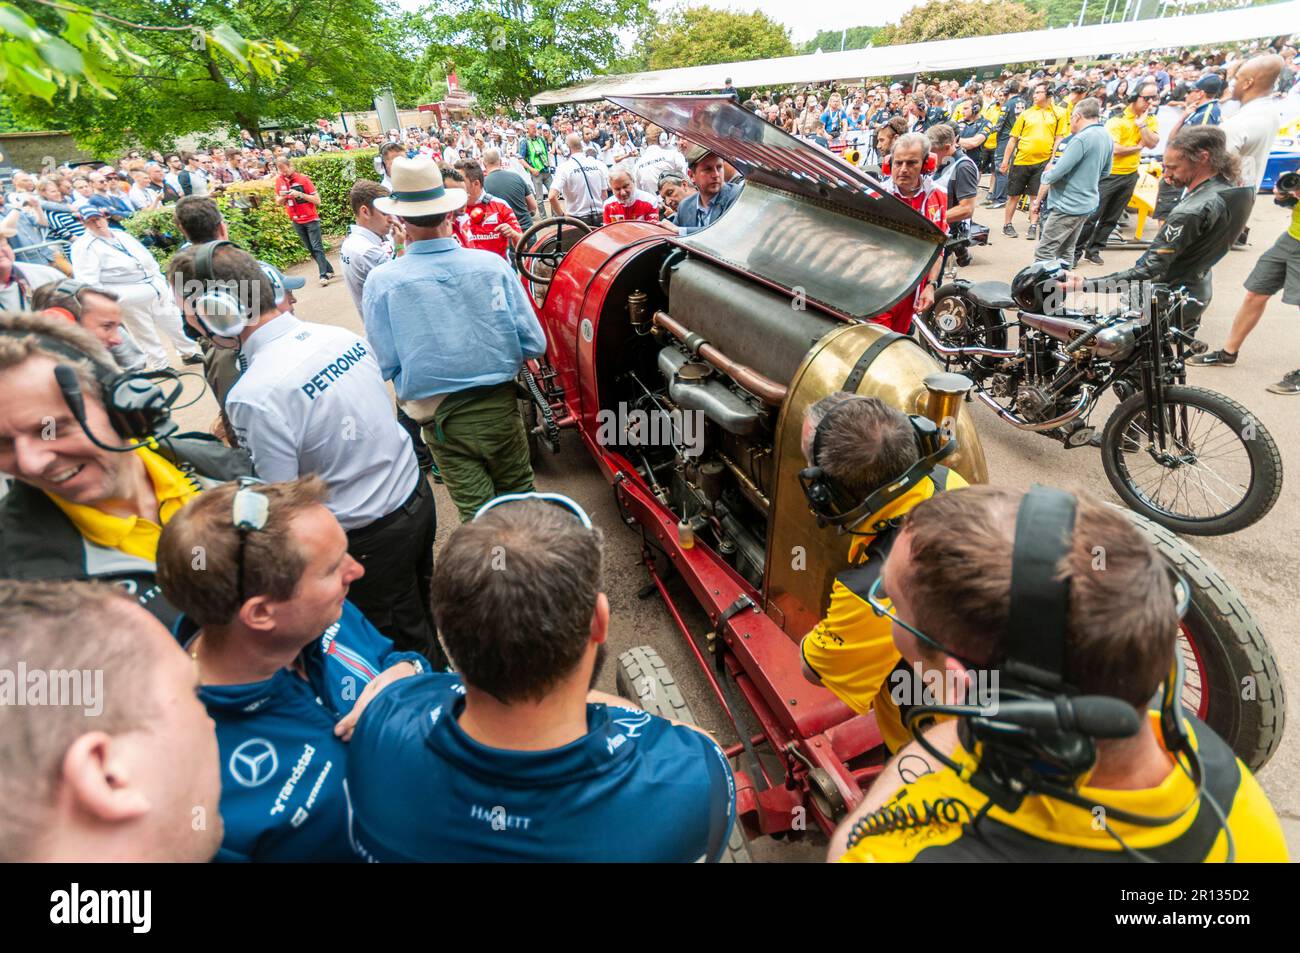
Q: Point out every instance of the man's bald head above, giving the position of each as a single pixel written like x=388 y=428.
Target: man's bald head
x=1257 y=77
x=574 y=141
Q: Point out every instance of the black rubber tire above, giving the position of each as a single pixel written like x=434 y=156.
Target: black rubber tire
x=1265 y=460
x=1232 y=649
x=643 y=677
x=985 y=325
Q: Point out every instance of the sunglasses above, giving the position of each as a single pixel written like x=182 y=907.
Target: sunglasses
x=557 y=499
x=249 y=513
x=881 y=605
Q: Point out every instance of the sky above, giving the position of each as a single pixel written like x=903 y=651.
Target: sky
x=803 y=18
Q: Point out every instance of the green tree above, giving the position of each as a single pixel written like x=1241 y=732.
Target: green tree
x=953 y=19
x=58 y=46
x=173 y=80
x=700 y=36
x=829 y=41
x=505 y=51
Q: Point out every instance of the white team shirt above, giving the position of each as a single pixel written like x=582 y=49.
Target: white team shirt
x=654 y=162
x=312 y=400
x=582 y=194
x=359 y=253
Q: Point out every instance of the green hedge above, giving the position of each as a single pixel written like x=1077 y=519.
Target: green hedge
x=334 y=174
x=265 y=230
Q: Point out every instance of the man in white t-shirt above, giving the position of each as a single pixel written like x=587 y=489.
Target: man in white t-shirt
x=659 y=157
x=1252 y=129
x=582 y=182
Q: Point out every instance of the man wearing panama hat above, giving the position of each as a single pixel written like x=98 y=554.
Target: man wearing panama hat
x=451 y=327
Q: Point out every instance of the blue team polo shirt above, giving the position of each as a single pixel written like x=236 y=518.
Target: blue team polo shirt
x=635 y=788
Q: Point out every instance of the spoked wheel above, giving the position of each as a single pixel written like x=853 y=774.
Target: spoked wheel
x=1231 y=678
x=538 y=258
x=1219 y=469
x=643 y=677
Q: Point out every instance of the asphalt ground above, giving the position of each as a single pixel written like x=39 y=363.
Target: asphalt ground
x=1259 y=561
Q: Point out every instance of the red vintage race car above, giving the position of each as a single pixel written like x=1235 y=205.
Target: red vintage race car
x=686 y=364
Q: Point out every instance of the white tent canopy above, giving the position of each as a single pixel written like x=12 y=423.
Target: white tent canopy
x=896 y=61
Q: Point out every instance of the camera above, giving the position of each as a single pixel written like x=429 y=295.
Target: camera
x=1287 y=182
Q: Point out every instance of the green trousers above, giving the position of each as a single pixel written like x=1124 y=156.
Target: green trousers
x=479 y=443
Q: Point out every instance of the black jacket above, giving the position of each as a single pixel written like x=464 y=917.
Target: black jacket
x=1198 y=232
x=37 y=541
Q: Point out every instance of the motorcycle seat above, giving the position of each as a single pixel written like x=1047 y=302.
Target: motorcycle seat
x=991 y=294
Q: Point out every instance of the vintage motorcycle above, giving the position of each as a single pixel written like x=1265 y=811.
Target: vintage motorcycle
x=1188 y=458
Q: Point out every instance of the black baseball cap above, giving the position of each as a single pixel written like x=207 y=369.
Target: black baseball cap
x=1210 y=85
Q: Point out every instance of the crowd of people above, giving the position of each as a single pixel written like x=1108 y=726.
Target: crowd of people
x=354 y=700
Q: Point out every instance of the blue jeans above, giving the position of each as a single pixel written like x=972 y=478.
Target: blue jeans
x=999 y=191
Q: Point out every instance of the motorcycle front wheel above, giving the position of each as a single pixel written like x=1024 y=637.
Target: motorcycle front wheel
x=1219 y=471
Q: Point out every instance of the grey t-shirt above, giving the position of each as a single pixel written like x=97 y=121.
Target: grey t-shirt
x=510 y=189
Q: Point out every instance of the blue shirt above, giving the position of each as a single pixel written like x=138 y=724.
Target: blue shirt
x=691 y=216
x=636 y=788
x=282 y=769
x=1075 y=176
x=446 y=318
x=1207 y=114
x=117 y=208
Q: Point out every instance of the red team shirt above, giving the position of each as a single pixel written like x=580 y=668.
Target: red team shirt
x=476 y=226
x=931 y=201
x=642 y=208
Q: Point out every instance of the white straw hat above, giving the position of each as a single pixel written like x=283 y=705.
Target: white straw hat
x=418 y=190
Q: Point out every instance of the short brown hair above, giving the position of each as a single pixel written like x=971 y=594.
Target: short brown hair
x=471 y=170
x=26 y=335
x=1121 y=624
x=513 y=596
x=198 y=217
x=198 y=552
x=49 y=296
x=862 y=443
x=44 y=626
x=363 y=195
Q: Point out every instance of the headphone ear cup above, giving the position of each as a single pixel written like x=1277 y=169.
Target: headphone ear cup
x=884 y=167
x=931 y=163
x=221 y=313
x=61 y=313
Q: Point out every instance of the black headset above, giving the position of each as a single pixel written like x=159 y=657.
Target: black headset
x=825 y=498
x=1041 y=737
x=136 y=406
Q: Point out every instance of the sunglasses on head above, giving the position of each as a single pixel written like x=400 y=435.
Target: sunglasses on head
x=249 y=512
x=556 y=499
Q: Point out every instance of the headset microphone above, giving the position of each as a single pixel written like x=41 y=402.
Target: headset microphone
x=1098 y=716
x=146 y=397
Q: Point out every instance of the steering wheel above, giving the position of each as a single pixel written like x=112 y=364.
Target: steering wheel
x=554 y=256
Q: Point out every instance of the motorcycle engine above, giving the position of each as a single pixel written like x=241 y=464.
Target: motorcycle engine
x=1034 y=403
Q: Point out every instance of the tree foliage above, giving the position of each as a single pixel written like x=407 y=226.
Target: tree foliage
x=177 y=79
x=953 y=19
x=700 y=36
x=48 y=47
x=854 y=38
x=508 y=50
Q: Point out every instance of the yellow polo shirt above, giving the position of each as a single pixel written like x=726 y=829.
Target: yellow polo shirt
x=992 y=111
x=135 y=535
x=852 y=649
x=1037 y=128
x=1256 y=832
x=1125 y=130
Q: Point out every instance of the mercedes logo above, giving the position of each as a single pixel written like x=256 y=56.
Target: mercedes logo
x=253 y=762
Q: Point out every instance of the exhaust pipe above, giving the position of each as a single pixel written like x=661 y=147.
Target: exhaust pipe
x=1080 y=405
x=946 y=351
